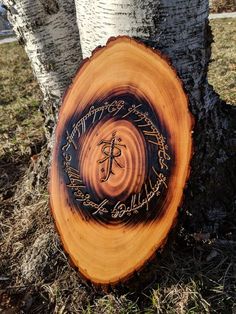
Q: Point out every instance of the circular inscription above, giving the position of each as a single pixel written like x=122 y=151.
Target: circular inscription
x=116 y=161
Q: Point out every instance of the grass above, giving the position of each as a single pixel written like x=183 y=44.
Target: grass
x=35 y=277
x=218 y=6
x=20 y=120
x=222 y=70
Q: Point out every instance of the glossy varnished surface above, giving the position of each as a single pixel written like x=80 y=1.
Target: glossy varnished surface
x=121 y=160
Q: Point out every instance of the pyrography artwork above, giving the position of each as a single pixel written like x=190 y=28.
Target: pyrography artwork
x=121 y=160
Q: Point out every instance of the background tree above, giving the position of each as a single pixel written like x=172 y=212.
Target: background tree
x=179 y=29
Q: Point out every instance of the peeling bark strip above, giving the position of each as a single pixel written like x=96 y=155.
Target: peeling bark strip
x=49 y=33
x=121 y=160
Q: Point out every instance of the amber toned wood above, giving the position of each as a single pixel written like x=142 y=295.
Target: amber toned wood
x=121 y=160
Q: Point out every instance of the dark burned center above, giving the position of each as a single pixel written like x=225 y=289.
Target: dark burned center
x=139 y=206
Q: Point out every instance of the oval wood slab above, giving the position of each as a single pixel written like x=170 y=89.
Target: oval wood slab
x=121 y=160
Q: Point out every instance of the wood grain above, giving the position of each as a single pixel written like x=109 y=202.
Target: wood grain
x=121 y=160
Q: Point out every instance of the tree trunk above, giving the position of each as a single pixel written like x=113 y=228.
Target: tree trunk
x=100 y=20
x=180 y=29
x=48 y=32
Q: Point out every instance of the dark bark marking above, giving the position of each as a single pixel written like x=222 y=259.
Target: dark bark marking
x=50 y=6
x=21 y=37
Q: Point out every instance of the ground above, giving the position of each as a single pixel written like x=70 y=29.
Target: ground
x=195 y=274
x=222 y=71
x=218 y=6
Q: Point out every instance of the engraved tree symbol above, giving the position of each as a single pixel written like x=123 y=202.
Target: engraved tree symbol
x=112 y=150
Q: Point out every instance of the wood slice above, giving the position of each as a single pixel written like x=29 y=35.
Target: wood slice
x=121 y=160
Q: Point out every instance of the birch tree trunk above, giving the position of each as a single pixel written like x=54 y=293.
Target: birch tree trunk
x=180 y=29
x=49 y=34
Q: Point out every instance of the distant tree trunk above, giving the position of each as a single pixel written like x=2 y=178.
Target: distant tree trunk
x=180 y=29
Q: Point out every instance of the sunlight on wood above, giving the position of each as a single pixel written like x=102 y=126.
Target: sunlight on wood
x=120 y=161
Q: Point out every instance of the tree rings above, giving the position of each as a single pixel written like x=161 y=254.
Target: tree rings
x=121 y=160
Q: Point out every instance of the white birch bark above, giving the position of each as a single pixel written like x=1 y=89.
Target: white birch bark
x=99 y=20
x=48 y=30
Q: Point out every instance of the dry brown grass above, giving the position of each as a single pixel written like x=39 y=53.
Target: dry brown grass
x=218 y=6
x=222 y=70
x=195 y=274
x=20 y=120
